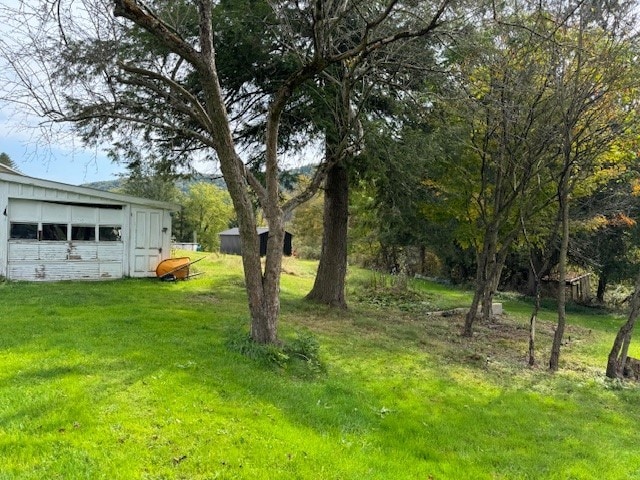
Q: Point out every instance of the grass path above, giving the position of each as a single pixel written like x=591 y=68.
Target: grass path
x=134 y=379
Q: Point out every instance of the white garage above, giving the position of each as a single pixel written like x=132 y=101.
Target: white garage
x=53 y=231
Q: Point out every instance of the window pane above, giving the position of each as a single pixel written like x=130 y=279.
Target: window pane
x=83 y=233
x=110 y=234
x=54 y=231
x=28 y=231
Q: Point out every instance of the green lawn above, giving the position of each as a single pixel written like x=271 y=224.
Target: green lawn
x=136 y=379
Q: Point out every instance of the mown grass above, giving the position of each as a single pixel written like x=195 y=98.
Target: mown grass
x=137 y=379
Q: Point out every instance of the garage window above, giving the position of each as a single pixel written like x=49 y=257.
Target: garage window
x=24 y=231
x=54 y=232
x=83 y=233
x=112 y=233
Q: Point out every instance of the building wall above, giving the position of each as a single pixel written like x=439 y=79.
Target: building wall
x=64 y=261
x=578 y=289
x=60 y=241
x=231 y=244
x=193 y=247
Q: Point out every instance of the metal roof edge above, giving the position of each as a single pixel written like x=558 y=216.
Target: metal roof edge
x=8 y=169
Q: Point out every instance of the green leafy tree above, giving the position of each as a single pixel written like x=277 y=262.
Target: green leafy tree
x=306 y=226
x=533 y=116
x=504 y=123
x=142 y=180
x=207 y=210
x=606 y=236
x=390 y=195
x=360 y=96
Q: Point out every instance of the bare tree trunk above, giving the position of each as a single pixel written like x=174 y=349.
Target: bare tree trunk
x=602 y=287
x=554 y=358
x=264 y=320
x=487 y=300
x=470 y=318
x=478 y=294
x=493 y=281
x=483 y=295
x=625 y=348
x=329 y=285
x=423 y=260
x=618 y=355
x=532 y=323
x=263 y=304
x=536 y=272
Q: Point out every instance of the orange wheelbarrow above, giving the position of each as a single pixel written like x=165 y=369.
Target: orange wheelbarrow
x=176 y=268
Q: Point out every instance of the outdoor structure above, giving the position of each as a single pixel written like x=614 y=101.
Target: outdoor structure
x=192 y=247
x=230 y=241
x=577 y=285
x=54 y=231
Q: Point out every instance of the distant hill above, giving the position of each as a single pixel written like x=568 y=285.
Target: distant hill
x=106 y=185
x=288 y=180
x=182 y=184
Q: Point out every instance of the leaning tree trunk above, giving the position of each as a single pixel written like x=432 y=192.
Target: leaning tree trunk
x=618 y=355
x=262 y=288
x=493 y=281
x=478 y=294
x=329 y=285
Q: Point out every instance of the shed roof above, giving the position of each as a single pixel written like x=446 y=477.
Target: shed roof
x=571 y=277
x=7 y=169
x=9 y=175
x=236 y=231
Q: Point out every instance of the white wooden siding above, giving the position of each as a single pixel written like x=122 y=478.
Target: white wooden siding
x=85 y=215
x=63 y=260
x=38 y=261
x=110 y=216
